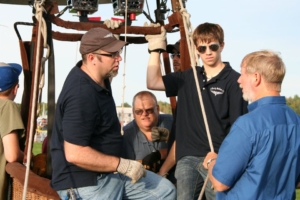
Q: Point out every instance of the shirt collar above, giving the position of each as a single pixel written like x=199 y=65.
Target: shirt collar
x=266 y=100
x=223 y=73
x=93 y=83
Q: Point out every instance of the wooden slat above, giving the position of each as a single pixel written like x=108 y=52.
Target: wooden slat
x=60 y=2
x=85 y=26
x=36 y=183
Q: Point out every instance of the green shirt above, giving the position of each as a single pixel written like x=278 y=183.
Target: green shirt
x=10 y=119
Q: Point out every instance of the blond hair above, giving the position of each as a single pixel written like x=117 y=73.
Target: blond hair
x=268 y=64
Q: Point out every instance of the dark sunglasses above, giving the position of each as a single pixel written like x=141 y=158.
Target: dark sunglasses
x=112 y=55
x=148 y=111
x=175 y=54
x=212 y=47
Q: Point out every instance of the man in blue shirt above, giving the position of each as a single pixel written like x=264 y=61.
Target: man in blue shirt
x=259 y=159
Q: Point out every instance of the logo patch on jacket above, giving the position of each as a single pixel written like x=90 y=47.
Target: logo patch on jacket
x=216 y=90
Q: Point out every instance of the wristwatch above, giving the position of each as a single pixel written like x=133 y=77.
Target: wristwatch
x=209 y=161
x=157 y=50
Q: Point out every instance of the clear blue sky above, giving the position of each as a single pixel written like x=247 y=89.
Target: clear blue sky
x=248 y=25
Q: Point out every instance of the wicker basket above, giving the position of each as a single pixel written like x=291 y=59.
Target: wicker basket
x=17 y=192
x=38 y=188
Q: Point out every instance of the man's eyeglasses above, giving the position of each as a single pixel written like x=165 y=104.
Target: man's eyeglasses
x=112 y=55
x=212 y=47
x=175 y=54
x=148 y=111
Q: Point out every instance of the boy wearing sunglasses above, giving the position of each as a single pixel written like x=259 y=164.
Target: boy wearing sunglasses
x=222 y=99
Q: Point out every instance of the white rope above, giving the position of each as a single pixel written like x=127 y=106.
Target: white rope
x=124 y=72
x=193 y=63
x=42 y=30
x=188 y=33
x=42 y=83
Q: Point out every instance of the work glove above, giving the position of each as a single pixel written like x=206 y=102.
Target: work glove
x=112 y=23
x=156 y=42
x=160 y=134
x=152 y=161
x=131 y=168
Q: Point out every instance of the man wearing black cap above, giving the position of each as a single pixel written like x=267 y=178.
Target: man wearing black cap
x=11 y=125
x=86 y=142
x=168 y=168
x=174 y=50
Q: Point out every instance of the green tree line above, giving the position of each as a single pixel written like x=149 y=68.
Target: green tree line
x=165 y=107
x=294 y=103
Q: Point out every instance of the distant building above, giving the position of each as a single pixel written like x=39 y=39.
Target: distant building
x=41 y=129
x=127 y=114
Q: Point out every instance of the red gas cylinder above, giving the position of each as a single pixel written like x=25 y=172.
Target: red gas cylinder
x=132 y=16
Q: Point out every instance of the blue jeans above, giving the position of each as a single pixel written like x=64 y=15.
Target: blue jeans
x=190 y=175
x=117 y=186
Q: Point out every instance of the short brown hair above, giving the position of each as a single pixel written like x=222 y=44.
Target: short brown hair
x=8 y=91
x=143 y=93
x=207 y=32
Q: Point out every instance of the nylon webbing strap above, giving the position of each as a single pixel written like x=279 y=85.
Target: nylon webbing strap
x=26 y=55
x=51 y=96
x=26 y=52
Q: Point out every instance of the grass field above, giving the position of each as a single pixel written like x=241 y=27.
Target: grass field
x=298 y=194
x=37 y=148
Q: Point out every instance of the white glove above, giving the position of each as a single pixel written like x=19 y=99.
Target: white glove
x=131 y=168
x=156 y=41
x=112 y=23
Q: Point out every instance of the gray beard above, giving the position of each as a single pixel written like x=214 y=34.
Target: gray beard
x=112 y=74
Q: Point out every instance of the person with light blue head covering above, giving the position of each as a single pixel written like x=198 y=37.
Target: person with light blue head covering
x=11 y=124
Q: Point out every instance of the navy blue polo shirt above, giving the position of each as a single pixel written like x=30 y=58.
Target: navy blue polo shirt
x=223 y=103
x=86 y=116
